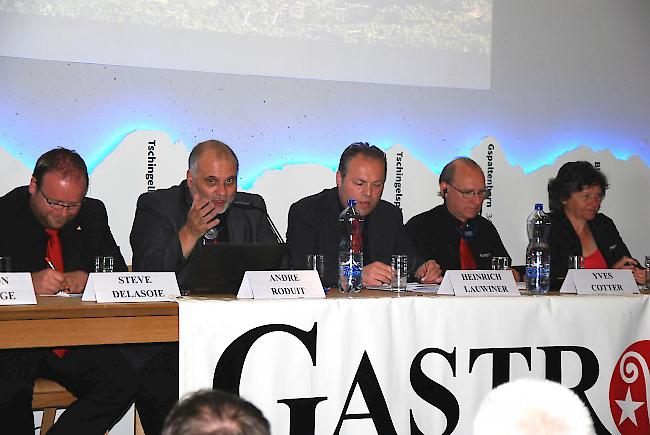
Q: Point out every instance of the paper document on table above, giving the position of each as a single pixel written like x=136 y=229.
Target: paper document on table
x=410 y=287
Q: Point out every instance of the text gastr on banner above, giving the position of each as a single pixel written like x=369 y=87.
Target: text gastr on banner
x=16 y=289
x=281 y=284
x=479 y=283
x=599 y=282
x=131 y=287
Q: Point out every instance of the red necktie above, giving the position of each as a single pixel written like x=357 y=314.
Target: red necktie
x=467 y=261
x=54 y=253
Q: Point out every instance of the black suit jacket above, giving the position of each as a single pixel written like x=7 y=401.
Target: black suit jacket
x=564 y=242
x=314 y=228
x=160 y=215
x=435 y=234
x=86 y=236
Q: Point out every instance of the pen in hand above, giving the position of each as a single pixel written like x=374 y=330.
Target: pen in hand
x=637 y=265
x=51 y=266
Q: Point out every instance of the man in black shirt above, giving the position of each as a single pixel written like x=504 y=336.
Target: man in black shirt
x=53 y=231
x=314 y=226
x=454 y=234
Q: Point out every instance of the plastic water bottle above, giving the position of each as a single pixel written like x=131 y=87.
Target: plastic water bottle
x=537 y=215
x=538 y=253
x=351 y=249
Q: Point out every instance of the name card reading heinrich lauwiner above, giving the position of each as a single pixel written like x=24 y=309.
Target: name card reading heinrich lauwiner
x=479 y=283
x=281 y=284
x=600 y=282
x=16 y=289
x=131 y=287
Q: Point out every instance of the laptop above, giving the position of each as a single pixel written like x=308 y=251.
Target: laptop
x=220 y=267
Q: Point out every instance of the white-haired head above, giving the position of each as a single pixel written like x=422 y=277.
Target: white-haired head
x=532 y=407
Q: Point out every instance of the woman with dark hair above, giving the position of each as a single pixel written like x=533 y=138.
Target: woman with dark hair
x=577 y=228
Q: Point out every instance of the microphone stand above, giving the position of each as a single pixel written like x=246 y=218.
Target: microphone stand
x=248 y=205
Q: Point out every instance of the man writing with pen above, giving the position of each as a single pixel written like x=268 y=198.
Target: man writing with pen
x=51 y=230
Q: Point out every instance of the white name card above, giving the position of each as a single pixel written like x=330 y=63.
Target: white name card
x=600 y=282
x=16 y=289
x=131 y=287
x=479 y=283
x=281 y=284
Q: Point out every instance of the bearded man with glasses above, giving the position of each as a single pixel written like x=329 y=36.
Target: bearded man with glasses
x=51 y=230
x=454 y=234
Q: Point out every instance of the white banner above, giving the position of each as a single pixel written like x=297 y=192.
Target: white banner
x=389 y=365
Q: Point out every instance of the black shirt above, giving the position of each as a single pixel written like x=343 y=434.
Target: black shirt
x=86 y=236
x=564 y=241
x=436 y=234
x=314 y=228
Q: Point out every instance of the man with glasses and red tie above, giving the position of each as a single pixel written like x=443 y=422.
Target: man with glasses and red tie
x=454 y=234
x=51 y=230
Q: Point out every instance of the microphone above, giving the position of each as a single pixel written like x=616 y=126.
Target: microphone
x=248 y=205
x=468 y=230
x=212 y=233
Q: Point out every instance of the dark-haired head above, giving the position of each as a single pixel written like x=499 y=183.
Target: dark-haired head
x=67 y=163
x=214 y=412
x=364 y=149
x=573 y=177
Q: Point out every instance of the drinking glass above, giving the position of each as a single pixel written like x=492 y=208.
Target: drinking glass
x=400 y=265
x=501 y=263
x=317 y=262
x=576 y=262
x=5 y=264
x=104 y=264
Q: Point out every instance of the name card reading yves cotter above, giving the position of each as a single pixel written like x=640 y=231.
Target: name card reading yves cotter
x=16 y=289
x=281 y=284
x=131 y=287
x=479 y=283
x=599 y=282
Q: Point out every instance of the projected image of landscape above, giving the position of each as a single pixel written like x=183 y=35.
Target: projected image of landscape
x=441 y=43
x=453 y=25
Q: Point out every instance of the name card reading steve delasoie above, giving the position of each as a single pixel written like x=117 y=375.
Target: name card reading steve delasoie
x=479 y=283
x=16 y=289
x=600 y=282
x=131 y=287
x=281 y=284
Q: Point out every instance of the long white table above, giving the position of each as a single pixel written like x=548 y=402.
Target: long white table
x=413 y=364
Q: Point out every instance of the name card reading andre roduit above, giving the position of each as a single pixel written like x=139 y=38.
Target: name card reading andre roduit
x=479 y=283
x=281 y=284
x=131 y=287
x=600 y=282
x=16 y=289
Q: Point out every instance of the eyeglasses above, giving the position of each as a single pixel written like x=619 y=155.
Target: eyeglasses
x=58 y=205
x=469 y=194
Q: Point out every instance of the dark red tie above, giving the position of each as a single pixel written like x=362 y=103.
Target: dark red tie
x=467 y=261
x=54 y=253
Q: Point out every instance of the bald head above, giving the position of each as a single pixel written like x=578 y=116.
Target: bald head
x=213 y=149
x=462 y=186
x=448 y=172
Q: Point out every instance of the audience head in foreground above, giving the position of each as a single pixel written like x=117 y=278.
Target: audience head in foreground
x=214 y=412
x=532 y=407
